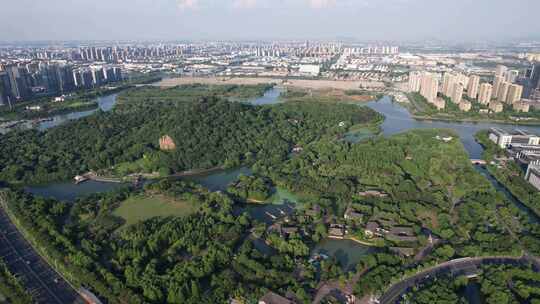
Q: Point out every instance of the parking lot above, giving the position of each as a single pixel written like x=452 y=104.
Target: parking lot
x=39 y=279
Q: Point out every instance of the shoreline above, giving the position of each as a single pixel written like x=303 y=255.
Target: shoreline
x=472 y=120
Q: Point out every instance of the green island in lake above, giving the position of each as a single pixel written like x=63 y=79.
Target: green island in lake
x=349 y=213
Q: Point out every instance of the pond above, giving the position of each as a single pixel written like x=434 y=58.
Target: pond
x=69 y=191
x=270 y=97
x=218 y=180
x=347 y=252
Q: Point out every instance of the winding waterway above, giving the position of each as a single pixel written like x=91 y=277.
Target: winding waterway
x=398 y=120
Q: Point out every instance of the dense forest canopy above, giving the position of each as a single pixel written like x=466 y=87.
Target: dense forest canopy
x=420 y=180
x=207 y=130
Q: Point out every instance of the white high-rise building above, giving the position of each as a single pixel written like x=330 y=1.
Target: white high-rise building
x=472 y=89
x=512 y=75
x=486 y=91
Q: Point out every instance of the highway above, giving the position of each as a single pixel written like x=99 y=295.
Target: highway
x=39 y=279
x=457 y=267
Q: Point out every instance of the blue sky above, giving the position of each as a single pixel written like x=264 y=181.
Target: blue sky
x=456 y=20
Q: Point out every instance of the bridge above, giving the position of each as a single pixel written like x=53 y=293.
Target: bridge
x=478 y=162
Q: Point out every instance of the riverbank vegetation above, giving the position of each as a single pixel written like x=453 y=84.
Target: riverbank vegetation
x=421 y=109
x=509 y=174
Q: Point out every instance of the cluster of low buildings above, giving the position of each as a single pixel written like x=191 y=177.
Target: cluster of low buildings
x=524 y=148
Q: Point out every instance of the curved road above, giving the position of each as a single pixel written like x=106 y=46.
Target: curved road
x=39 y=279
x=464 y=266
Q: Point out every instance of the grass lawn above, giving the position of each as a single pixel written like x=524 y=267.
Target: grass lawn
x=141 y=207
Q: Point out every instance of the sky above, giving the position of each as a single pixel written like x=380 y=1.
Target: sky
x=381 y=20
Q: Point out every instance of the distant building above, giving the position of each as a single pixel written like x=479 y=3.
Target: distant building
x=521 y=107
x=472 y=89
x=502 y=94
x=465 y=106
x=439 y=103
x=497 y=85
x=457 y=93
x=429 y=87
x=449 y=80
x=501 y=70
x=512 y=75
x=496 y=106
x=310 y=70
x=515 y=92
x=415 y=80
x=533 y=176
x=486 y=91
x=504 y=139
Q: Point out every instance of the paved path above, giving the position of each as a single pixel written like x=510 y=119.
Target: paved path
x=39 y=279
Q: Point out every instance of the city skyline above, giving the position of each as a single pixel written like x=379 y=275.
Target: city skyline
x=399 y=20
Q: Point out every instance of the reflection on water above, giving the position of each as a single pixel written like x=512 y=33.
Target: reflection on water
x=348 y=253
x=270 y=97
x=105 y=103
x=398 y=120
x=68 y=191
x=218 y=180
x=472 y=293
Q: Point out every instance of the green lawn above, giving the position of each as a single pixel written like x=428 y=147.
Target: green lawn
x=142 y=207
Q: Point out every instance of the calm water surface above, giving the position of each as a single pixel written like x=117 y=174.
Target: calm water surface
x=348 y=253
x=105 y=103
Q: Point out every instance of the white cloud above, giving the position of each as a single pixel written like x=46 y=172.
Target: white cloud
x=321 y=3
x=187 y=4
x=244 y=3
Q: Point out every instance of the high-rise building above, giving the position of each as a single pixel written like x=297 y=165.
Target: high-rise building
x=457 y=94
x=502 y=93
x=97 y=76
x=18 y=79
x=512 y=75
x=429 y=87
x=514 y=93
x=87 y=77
x=77 y=77
x=501 y=71
x=486 y=91
x=449 y=80
x=415 y=79
x=534 y=82
x=498 y=80
x=5 y=89
x=472 y=89
x=463 y=79
x=66 y=81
